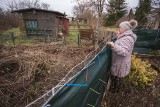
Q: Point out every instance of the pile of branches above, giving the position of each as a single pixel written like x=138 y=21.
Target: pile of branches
x=28 y=72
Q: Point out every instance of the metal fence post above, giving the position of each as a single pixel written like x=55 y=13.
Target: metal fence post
x=1 y=38
x=78 y=39
x=13 y=39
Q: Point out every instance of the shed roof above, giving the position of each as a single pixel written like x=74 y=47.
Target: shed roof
x=37 y=9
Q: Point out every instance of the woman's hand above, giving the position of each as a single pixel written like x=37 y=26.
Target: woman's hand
x=111 y=44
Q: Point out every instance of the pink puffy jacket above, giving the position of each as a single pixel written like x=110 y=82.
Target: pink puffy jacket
x=121 y=54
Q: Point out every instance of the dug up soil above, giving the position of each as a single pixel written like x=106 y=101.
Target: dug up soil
x=27 y=72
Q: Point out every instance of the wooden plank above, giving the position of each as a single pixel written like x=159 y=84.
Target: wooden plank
x=87 y=34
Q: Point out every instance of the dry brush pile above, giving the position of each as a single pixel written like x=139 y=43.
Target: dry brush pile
x=27 y=72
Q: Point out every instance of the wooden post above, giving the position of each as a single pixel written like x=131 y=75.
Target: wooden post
x=13 y=39
x=64 y=39
x=48 y=38
x=37 y=34
x=45 y=36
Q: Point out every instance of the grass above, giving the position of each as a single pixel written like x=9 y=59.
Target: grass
x=19 y=37
x=71 y=38
x=76 y=27
x=16 y=31
x=10 y=42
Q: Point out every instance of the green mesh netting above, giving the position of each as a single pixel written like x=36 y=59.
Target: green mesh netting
x=147 y=40
x=92 y=92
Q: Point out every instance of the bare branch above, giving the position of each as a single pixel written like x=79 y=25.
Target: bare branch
x=45 y=6
x=13 y=5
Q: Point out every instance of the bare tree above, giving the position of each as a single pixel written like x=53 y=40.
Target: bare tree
x=45 y=6
x=22 y=4
x=81 y=8
x=99 y=5
x=7 y=20
x=84 y=10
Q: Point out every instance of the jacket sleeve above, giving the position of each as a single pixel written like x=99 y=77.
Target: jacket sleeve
x=124 y=47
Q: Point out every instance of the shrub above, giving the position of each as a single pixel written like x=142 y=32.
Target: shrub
x=141 y=73
x=155 y=52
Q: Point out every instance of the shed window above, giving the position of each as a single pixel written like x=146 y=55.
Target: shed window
x=32 y=24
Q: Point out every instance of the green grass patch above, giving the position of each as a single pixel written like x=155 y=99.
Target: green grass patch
x=72 y=39
x=19 y=38
x=10 y=42
x=16 y=31
x=73 y=36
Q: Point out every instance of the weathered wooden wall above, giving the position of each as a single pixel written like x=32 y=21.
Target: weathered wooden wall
x=46 y=20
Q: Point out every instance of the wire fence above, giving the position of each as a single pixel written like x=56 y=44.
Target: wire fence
x=82 y=65
x=12 y=39
x=7 y=38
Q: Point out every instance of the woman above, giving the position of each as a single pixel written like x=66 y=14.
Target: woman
x=121 y=52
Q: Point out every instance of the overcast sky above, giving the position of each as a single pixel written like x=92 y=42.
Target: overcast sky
x=66 y=5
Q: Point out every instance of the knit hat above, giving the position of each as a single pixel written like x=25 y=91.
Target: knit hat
x=126 y=25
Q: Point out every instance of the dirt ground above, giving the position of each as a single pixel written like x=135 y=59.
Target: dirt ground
x=131 y=96
x=134 y=96
x=27 y=72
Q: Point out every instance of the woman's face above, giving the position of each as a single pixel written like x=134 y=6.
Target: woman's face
x=121 y=30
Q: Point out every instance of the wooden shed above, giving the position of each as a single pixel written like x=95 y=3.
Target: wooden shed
x=40 y=23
